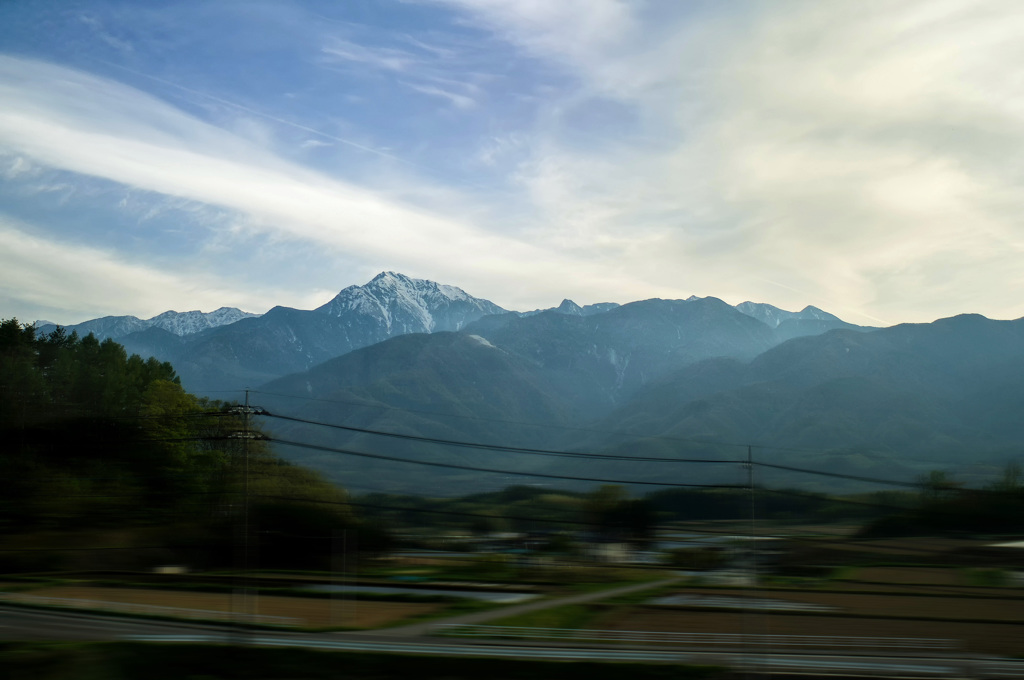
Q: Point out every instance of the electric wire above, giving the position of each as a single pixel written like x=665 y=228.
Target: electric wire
x=497 y=447
x=455 y=466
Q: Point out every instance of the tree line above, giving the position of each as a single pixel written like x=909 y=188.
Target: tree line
x=97 y=439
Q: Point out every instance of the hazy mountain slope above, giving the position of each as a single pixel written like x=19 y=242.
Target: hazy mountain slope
x=626 y=347
x=550 y=369
x=446 y=385
x=772 y=316
x=923 y=395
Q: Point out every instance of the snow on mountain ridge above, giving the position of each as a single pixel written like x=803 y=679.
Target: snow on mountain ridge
x=179 y=323
x=194 y=321
x=410 y=305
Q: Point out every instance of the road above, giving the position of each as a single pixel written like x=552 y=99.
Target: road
x=419 y=629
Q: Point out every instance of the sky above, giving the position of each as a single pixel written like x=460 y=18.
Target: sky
x=860 y=157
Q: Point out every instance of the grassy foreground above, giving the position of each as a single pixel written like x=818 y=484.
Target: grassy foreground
x=130 y=660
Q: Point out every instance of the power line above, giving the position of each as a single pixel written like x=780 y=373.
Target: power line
x=552 y=426
x=498 y=447
x=454 y=466
x=838 y=475
x=593 y=456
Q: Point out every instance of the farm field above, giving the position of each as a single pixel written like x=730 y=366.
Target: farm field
x=895 y=604
x=306 y=612
x=893 y=600
x=979 y=638
x=929 y=576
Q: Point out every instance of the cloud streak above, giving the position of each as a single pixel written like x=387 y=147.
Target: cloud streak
x=847 y=151
x=855 y=158
x=75 y=283
x=83 y=124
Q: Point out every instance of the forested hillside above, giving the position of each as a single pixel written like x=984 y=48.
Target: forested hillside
x=95 y=439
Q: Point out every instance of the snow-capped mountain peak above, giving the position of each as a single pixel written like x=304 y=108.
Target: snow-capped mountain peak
x=186 y=323
x=403 y=304
x=179 y=323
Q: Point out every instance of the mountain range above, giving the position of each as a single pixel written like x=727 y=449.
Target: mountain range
x=177 y=323
x=694 y=378
x=229 y=349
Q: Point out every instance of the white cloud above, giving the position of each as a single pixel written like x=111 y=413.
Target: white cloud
x=75 y=283
x=428 y=73
x=832 y=148
x=84 y=124
x=16 y=167
x=460 y=101
x=382 y=58
x=155 y=147
x=855 y=157
x=589 y=36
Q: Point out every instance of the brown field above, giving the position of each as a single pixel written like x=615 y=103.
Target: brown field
x=917 y=606
x=927 y=576
x=303 y=611
x=987 y=638
x=951 y=591
x=914 y=602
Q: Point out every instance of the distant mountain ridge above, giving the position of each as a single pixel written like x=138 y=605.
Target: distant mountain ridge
x=569 y=307
x=652 y=378
x=670 y=378
x=254 y=350
x=773 y=316
x=229 y=349
x=401 y=304
x=178 y=323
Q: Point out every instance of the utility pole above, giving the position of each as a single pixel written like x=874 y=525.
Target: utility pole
x=751 y=555
x=246 y=434
x=245 y=507
x=753 y=546
x=753 y=527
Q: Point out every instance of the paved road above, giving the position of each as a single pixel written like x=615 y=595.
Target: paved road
x=418 y=629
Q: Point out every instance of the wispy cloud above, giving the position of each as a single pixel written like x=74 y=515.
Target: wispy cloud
x=100 y=32
x=855 y=157
x=83 y=124
x=74 y=283
x=460 y=101
x=382 y=58
x=426 y=68
x=847 y=150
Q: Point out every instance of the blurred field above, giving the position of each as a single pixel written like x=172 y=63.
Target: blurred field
x=886 y=601
x=988 y=638
x=307 y=612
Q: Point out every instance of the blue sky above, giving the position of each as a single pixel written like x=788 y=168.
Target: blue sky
x=188 y=155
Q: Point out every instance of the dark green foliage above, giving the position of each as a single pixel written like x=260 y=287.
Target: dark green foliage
x=89 y=432
x=613 y=514
x=95 y=439
x=697 y=559
x=944 y=507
